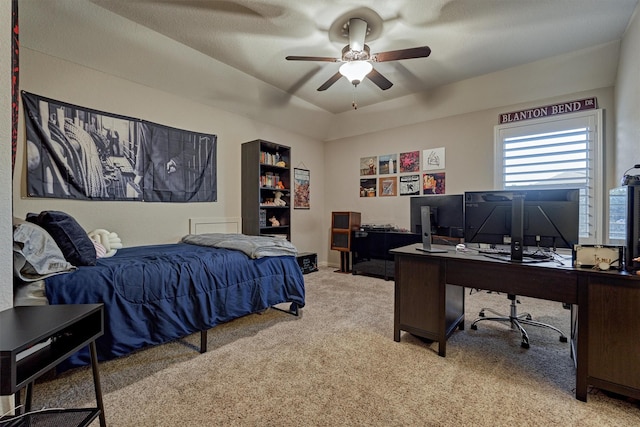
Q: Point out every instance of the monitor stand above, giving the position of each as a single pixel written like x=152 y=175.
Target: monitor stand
x=425 y=219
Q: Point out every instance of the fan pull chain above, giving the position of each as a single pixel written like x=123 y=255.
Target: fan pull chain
x=354 y=104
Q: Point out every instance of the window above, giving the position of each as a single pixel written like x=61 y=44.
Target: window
x=557 y=152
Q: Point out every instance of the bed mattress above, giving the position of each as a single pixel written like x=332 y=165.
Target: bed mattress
x=155 y=294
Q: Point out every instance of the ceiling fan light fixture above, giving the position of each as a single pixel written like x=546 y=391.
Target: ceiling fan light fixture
x=355 y=71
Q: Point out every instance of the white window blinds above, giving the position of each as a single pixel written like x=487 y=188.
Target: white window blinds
x=557 y=152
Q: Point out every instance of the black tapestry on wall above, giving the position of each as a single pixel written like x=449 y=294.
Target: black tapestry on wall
x=175 y=165
x=78 y=153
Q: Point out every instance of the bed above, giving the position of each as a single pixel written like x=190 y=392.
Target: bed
x=158 y=293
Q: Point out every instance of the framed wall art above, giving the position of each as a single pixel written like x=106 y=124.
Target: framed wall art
x=387 y=164
x=369 y=165
x=410 y=185
x=409 y=162
x=388 y=186
x=433 y=183
x=301 y=199
x=433 y=159
x=368 y=187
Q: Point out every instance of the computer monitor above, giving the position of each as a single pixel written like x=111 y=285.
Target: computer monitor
x=624 y=222
x=522 y=218
x=447 y=214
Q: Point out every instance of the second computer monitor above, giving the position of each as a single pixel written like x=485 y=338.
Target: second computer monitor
x=447 y=214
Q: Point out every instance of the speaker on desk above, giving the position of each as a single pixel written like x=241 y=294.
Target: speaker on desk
x=342 y=225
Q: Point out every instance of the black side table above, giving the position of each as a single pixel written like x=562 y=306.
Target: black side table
x=35 y=339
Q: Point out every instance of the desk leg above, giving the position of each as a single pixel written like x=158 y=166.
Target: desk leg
x=581 y=351
x=442 y=348
x=96 y=382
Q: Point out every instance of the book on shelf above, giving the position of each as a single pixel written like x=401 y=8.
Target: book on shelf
x=270 y=158
x=269 y=179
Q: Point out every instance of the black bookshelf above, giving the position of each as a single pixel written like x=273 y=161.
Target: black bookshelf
x=266 y=189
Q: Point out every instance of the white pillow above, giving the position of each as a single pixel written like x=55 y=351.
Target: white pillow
x=35 y=254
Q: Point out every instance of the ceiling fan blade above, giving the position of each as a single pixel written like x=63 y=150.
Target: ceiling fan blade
x=381 y=81
x=395 y=55
x=331 y=81
x=311 y=58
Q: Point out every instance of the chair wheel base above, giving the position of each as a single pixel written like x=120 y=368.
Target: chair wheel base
x=517 y=321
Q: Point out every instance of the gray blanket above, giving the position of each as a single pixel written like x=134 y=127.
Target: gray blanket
x=253 y=246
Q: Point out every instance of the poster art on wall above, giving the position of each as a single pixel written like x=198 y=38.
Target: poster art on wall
x=369 y=165
x=433 y=159
x=368 y=187
x=433 y=183
x=410 y=185
x=301 y=198
x=410 y=162
x=388 y=186
x=79 y=153
x=387 y=164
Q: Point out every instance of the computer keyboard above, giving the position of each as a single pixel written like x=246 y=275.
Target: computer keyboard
x=528 y=254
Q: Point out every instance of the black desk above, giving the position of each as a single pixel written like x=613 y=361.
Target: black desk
x=429 y=302
x=70 y=328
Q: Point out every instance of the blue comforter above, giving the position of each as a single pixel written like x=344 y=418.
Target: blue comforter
x=155 y=294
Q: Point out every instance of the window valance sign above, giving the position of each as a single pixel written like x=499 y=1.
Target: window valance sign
x=79 y=153
x=549 y=110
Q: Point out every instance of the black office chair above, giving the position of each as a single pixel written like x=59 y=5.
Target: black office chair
x=516 y=320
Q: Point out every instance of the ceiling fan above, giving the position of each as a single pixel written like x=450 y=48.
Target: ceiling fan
x=358 y=60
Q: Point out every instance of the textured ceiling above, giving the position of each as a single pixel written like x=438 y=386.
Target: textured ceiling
x=231 y=54
x=467 y=37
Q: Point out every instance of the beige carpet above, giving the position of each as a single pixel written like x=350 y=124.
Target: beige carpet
x=337 y=365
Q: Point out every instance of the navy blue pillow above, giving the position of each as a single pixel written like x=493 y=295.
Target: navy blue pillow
x=73 y=241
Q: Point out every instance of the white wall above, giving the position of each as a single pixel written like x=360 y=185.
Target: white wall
x=468 y=139
x=468 y=142
x=140 y=223
x=628 y=99
x=577 y=71
x=83 y=33
x=461 y=117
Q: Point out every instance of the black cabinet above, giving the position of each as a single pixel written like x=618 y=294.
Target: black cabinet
x=266 y=189
x=370 y=251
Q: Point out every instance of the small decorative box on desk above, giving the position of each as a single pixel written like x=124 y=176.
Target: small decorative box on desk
x=308 y=262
